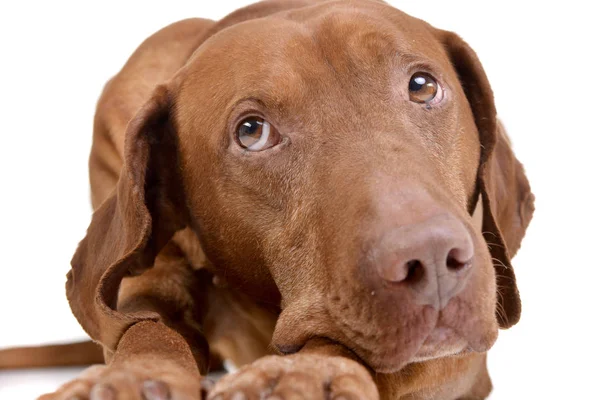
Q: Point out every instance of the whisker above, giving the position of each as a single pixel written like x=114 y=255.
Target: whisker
x=498 y=263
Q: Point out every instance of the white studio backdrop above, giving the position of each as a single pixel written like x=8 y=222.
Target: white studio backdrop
x=542 y=61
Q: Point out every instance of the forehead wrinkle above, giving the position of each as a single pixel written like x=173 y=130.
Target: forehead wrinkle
x=288 y=69
x=410 y=38
x=366 y=24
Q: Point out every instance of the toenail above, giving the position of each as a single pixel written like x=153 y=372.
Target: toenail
x=207 y=384
x=155 y=390
x=239 y=396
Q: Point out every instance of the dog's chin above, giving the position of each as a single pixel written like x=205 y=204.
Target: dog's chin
x=439 y=343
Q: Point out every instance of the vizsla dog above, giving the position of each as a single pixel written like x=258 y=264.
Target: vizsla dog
x=318 y=192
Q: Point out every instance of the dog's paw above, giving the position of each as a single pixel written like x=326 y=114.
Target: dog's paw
x=135 y=381
x=299 y=376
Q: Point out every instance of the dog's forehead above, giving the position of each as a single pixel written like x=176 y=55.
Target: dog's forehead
x=296 y=54
x=368 y=28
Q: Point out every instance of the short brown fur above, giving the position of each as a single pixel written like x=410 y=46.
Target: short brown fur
x=197 y=245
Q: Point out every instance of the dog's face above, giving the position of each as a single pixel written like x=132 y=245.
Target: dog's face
x=330 y=159
x=308 y=142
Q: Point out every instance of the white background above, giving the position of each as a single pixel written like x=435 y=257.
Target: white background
x=541 y=58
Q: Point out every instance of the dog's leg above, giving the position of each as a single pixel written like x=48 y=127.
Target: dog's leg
x=321 y=370
x=153 y=360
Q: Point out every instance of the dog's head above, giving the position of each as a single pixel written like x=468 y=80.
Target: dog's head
x=344 y=161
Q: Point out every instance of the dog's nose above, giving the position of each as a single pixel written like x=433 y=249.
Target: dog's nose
x=433 y=258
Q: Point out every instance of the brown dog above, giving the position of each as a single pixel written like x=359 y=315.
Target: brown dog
x=302 y=174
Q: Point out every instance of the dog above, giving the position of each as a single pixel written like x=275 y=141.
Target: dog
x=317 y=192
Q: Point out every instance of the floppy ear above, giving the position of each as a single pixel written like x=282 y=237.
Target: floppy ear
x=131 y=226
x=501 y=181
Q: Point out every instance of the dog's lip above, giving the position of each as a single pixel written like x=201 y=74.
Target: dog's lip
x=438 y=334
x=442 y=341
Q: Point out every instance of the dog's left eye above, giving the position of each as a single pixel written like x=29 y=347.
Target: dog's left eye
x=256 y=134
x=423 y=88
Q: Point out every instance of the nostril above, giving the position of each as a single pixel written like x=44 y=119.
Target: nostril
x=454 y=261
x=414 y=271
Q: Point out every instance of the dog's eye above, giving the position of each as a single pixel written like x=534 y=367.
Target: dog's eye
x=256 y=134
x=423 y=88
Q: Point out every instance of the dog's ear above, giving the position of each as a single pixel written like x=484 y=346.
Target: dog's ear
x=132 y=225
x=501 y=181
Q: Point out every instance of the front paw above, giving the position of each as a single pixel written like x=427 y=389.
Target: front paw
x=299 y=376
x=133 y=380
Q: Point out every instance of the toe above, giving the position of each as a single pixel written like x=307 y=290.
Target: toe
x=76 y=390
x=102 y=392
x=298 y=385
x=353 y=387
x=243 y=385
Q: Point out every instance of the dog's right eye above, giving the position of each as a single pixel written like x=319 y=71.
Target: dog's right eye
x=256 y=134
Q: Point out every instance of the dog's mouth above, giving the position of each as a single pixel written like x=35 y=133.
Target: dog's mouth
x=440 y=342
x=439 y=338
x=390 y=352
